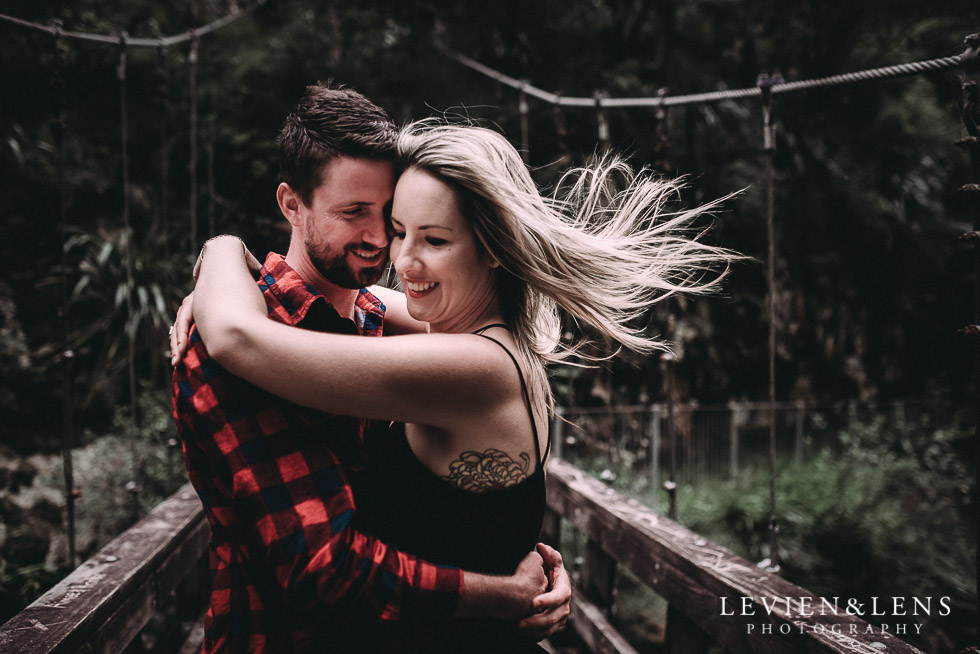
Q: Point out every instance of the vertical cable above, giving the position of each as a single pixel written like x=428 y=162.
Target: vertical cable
x=133 y=485
x=525 y=128
x=662 y=148
x=561 y=132
x=212 y=138
x=67 y=431
x=163 y=90
x=192 y=165
x=766 y=83
x=671 y=484
x=601 y=120
x=970 y=69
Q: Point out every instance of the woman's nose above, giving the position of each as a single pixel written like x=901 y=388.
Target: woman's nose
x=403 y=254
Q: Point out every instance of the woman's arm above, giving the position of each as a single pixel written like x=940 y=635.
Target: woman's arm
x=397 y=318
x=433 y=379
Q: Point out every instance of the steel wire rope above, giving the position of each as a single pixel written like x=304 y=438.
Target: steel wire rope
x=165 y=41
x=886 y=72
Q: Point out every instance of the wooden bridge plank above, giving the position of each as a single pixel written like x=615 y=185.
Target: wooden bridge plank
x=104 y=602
x=692 y=574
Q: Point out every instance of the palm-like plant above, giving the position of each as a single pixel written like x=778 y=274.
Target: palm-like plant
x=101 y=320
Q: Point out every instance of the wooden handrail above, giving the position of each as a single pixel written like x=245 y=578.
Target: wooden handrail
x=105 y=602
x=692 y=574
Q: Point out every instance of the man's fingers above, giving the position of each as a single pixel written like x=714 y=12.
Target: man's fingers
x=560 y=584
x=542 y=625
x=550 y=556
x=556 y=598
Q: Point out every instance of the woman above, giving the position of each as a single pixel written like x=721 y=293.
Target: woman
x=457 y=476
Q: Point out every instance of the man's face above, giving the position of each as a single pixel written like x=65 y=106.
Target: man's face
x=346 y=224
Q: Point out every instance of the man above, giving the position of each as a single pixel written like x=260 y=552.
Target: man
x=287 y=569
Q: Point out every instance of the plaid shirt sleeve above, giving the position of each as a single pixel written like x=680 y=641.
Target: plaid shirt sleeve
x=274 y=480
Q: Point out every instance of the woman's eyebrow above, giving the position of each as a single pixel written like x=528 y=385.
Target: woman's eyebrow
x=395 y=221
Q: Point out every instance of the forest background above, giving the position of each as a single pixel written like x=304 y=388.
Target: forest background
x=872 y=283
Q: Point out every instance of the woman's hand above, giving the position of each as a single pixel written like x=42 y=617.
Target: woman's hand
x=181 y=329
x=228 y=306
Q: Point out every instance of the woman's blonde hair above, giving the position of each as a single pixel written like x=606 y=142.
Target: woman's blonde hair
x=603 y=249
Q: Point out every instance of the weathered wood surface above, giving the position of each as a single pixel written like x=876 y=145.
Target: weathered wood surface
x=595 y=630
x=693 y=574
x=104 y=603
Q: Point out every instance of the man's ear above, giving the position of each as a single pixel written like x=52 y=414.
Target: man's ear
x=289 y=203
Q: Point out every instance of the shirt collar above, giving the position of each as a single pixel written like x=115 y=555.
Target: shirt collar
x=293 y=297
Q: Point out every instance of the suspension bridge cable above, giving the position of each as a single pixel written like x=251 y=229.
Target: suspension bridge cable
x=765 y=84
x=67 y=431
x=164 y=41
x=192 y=59
x=886 y=72
x=134 y=484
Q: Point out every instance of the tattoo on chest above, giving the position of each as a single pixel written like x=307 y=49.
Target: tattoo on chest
x=490 y=470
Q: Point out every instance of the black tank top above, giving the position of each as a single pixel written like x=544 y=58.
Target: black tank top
x=407 y=506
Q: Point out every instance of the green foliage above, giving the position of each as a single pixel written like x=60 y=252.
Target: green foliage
x=892 y=514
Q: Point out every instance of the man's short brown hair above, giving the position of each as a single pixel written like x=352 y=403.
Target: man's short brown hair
x=330 y=121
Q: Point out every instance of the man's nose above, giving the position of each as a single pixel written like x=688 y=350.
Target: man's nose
x=376 y=232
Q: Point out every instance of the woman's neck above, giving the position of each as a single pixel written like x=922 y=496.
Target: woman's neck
x=468 y=324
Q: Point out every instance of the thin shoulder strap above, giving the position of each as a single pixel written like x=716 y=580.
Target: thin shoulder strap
x=527 y=397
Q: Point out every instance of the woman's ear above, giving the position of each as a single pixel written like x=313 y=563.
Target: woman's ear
x=289 y=203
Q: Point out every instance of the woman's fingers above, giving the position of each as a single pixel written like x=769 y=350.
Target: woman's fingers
x=181 y=329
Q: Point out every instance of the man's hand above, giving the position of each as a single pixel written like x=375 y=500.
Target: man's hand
x=505 y=598
x=181 y=329
x=550 y=610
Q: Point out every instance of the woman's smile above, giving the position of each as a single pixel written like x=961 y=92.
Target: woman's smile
x=418 y=289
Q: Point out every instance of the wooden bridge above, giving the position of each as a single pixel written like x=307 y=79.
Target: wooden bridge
x=158 y=567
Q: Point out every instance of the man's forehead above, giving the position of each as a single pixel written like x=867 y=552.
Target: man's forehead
x=349 y=178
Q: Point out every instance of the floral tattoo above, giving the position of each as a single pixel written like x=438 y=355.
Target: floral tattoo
x=490 y=470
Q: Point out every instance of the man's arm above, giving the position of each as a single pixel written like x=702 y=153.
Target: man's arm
x=504 y=598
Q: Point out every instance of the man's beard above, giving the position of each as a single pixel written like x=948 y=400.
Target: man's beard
x=338 y=271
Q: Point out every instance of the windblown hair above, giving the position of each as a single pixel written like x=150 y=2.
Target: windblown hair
x=600 y=254
x=330 y=121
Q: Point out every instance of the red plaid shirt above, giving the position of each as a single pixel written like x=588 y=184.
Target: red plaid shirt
x=286 y=566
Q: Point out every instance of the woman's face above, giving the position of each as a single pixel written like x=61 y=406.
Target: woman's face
x=447 y=279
